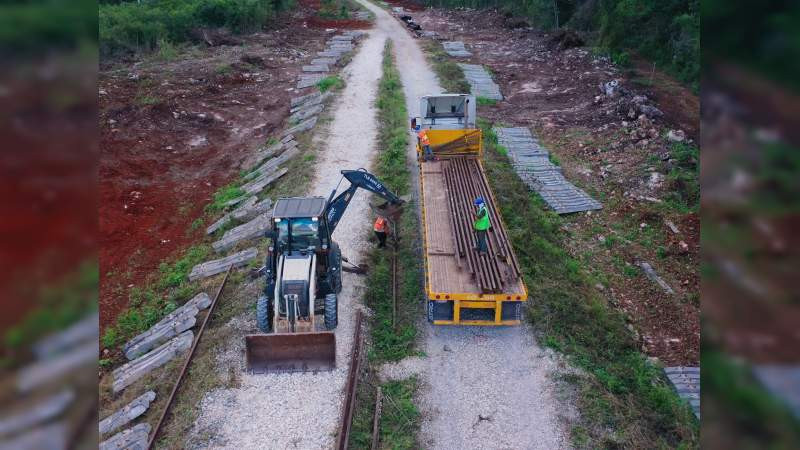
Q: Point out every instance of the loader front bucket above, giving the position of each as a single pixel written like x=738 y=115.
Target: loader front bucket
x=291 y=352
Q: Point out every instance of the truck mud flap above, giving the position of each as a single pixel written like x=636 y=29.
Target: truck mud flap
x=295 y=352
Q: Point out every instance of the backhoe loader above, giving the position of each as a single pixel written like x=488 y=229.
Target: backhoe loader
x=303 y=273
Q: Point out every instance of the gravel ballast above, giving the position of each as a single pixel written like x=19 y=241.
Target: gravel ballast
x=301 y=410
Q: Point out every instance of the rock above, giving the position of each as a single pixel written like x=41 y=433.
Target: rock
x=128 y=373
x=127 y=413
x=250 y=230
x=676 y=136
x=167 y=328
x=650 y=111
x=216 y=266
x=447 y=348
x=672 y=227
x=135 y=438
x=610 y=88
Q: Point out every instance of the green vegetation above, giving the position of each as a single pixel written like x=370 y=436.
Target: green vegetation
x=149 y=305
x=224 y=195
x=133 y=26
x=624 y=400
x=451 y=77
x=31 y=27
x=400 y=418
x=735 y=402
x=683 y=193
x=483 y=101
x=332 y=82
x=392 y=343
x=333 y=9
x=666 y=32
x=58 y=307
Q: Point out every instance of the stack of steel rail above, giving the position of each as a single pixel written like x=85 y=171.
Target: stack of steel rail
x=465 y=181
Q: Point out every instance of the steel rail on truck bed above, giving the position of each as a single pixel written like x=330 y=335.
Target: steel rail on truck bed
x=463 y=287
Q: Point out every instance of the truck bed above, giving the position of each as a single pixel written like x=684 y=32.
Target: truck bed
x=449 y=277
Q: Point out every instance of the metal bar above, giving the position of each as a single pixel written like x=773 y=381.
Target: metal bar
x=376 y=420
x=186 y=363
x=352 y=386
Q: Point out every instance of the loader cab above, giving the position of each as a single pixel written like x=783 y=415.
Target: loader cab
x=299 y=224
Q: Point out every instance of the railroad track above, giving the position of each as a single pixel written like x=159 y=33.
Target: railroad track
x=186 y=363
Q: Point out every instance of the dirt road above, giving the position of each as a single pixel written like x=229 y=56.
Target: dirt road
x=482 y=387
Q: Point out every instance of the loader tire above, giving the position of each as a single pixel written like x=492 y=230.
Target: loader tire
x=263 y=316
x=331 y=311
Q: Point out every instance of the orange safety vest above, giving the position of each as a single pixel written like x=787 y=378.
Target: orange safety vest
x=423 y=138
x=380 y=225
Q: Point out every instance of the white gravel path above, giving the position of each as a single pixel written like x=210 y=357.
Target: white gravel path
x=482 y=387
x=301 y=411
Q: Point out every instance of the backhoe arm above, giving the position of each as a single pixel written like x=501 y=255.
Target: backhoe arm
x=358 y=179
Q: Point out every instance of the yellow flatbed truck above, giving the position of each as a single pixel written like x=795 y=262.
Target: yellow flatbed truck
x=462 y=286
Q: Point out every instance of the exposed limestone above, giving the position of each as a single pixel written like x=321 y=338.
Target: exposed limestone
x=216 y=266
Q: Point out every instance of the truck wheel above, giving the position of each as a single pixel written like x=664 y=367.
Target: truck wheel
x=331 y=311
x=263 y=316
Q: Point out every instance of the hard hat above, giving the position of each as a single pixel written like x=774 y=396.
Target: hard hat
x=478 y=201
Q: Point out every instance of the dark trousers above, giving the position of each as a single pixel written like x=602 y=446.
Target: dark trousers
x=381 y=235
x=428 y=155
x=481 y=235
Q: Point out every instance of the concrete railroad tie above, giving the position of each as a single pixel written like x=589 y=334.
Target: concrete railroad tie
x=308 y=80
x=455 y=48
x=317 y=68
x=251 y=230
x=532 y=164
x=686 y=381
x=131 y=439
x=167 y=328
x=127 y=413
x=217 y=266
x=128 y=373
x=481 y=82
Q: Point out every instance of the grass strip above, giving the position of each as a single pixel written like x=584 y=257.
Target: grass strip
x=399 y=415
x=624 y=400
x=450 y=75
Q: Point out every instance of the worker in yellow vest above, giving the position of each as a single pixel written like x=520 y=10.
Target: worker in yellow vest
x=381 y=228
x=481 y=225
x=425 y=143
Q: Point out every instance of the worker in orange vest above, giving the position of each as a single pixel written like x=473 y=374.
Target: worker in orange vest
x=425 y=143
x=381 y=228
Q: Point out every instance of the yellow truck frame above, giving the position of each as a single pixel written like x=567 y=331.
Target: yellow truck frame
x=459 y=307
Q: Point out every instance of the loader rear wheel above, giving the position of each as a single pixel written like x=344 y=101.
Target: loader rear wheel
x=331 y=311
x=263 y=314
